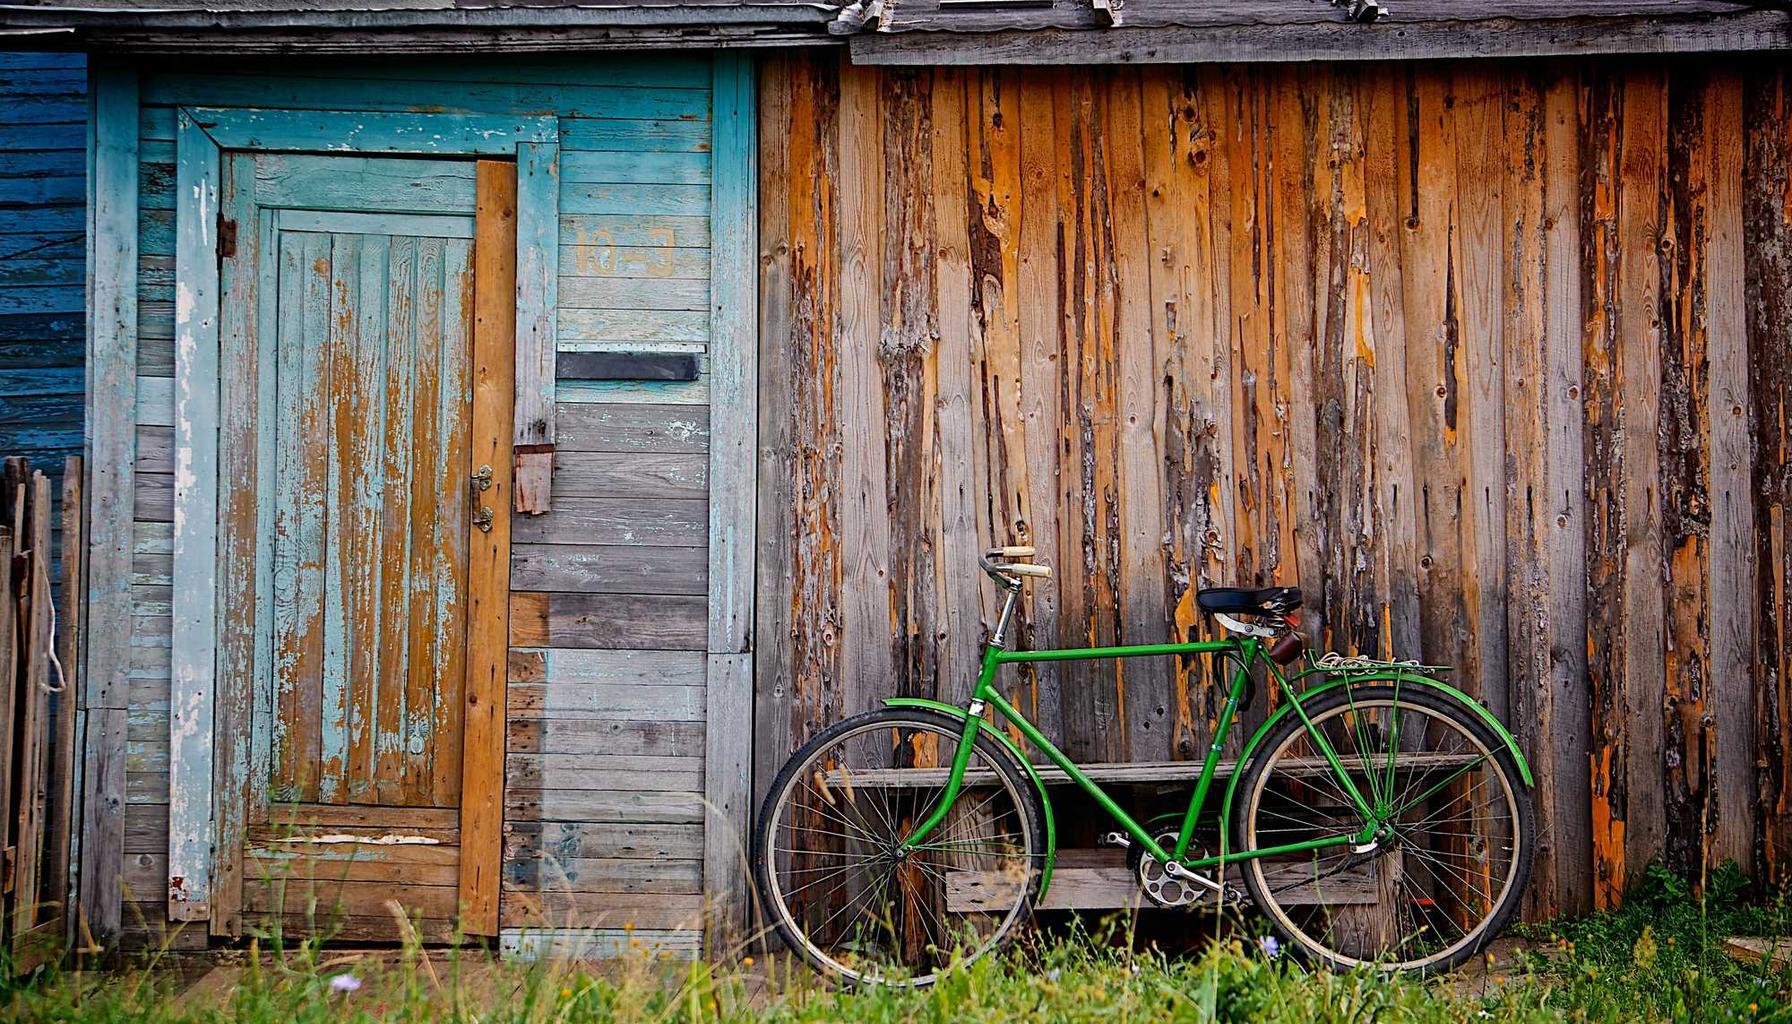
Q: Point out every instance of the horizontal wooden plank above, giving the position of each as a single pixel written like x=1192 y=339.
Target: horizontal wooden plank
x=643 y=167
x=634 y=135
x=586 y=736
x=366 y=862
x=573 y=840
x=345 y=182
x=679 y=668
x=598 y=944
x=630 y=621
x=606 y=875
x=604 y=771
x=622 y=325
x=632 y=392
x=346 y=816
x=628 y=701
x=620 y=199
x=421 y=98
x=1115 y=888
x=332 y=926
x=329 y=898
x=642 y=261
x=154 y=498
x=573 y=519
x=609 y=569
x=598 y=805
x=635 y=227
x=634 y=293
x=635 y=911
x=666 y=429
x=630 y=475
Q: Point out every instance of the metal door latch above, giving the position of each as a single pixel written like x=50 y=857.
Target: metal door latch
x=482 y=478
x=483 y=518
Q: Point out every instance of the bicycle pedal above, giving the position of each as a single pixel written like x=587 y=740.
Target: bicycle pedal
x=1114 y=839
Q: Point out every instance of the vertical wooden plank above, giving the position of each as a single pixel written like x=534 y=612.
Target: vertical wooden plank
x=954 y=456
x=537 y=305
x=774 y=655
x=1563 y=505
x=1384 y=94
x=1478 y=258
x=907 y=361
x=488 y=598
x=865 y=523
x=35 y=640
x=1732 y=576
x=734 y=428
x=240 y=452
x=111 y=451
x=68 y=651
x=1039 y=385
x=12 y=629
x=1141 y=615
x=733 y=356
x=1642 y=189
x=1526 y=427
x=1606 y=649
x=194 y=629
x=727 y=794
x=1767 y=260
x=1683 y=448
x=403 y=696
x=441 y=729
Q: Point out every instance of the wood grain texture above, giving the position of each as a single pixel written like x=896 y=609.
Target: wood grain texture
x=1462 y=350
x=111 y=388
x=488 y=565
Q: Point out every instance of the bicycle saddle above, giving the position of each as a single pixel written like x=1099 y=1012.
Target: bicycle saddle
x=1236 y=601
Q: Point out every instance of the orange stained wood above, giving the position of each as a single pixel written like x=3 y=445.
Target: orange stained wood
x=494 y=364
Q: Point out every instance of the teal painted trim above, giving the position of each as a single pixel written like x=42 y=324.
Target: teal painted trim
x=1045 y=800
x=190 y=783
x=1263 y=731
x=370 y=132
x=537 y=289
x=733 y=453
x=732 y=300
x=111 y=459
x=347 y=222
x=352 y=92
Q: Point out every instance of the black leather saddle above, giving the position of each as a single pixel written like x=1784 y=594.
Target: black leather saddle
x=1236 y=601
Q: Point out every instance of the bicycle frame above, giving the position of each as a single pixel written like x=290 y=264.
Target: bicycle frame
x=1245 y=651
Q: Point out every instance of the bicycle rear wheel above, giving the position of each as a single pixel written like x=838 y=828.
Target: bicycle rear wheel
x=1449 y=865
x=829 y=863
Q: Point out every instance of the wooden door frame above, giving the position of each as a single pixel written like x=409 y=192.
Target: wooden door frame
x=211 y=693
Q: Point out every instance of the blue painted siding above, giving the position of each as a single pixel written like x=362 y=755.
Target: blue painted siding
x=43 y=112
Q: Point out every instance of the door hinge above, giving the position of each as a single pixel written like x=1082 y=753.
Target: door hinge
x=226 y=237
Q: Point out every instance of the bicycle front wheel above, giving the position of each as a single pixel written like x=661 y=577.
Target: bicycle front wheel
x=1447 y=867
x=832 y=868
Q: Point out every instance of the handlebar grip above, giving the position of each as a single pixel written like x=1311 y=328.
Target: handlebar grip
x=1013 y=552
x=1023 y=569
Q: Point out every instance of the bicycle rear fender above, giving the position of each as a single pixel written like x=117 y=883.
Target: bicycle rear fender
x=1045 y=800
x=1402 y=678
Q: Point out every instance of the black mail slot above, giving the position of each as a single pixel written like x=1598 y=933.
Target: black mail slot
x=626 y=366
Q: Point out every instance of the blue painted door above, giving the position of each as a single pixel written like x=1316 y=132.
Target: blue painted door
x=366 y=487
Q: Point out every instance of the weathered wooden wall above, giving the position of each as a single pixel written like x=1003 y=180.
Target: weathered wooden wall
x=43 y=138
x=1491 y=359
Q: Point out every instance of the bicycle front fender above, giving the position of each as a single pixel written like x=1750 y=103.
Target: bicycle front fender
x=1045 y=800
x=1257 y=738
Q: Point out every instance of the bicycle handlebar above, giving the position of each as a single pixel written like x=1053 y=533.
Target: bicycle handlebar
x=1009 y=573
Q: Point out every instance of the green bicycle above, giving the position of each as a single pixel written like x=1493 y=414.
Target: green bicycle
x=1378 y=817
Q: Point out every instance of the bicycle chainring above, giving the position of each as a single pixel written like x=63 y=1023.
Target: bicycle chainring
x=1165 y=889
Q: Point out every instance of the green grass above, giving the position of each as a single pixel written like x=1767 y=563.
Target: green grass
x=1655 y=960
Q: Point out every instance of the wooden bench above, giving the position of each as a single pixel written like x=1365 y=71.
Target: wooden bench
x=1099 y=879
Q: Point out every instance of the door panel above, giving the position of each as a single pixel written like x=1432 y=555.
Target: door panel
x=372 y=434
